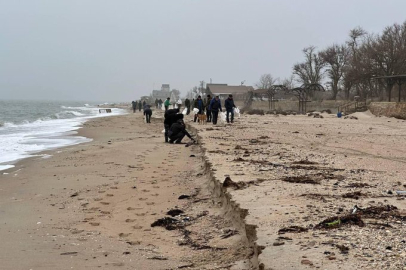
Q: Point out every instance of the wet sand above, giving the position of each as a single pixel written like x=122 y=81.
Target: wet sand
x=291 y=173
x=91 y=206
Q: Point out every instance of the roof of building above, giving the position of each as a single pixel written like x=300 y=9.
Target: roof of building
x=218 y=89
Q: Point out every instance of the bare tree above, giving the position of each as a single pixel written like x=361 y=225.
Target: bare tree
x=335 y=58
x=311 y=70
x=385 y=54
x=265 y=81
x=289 y=82
x=267 y=84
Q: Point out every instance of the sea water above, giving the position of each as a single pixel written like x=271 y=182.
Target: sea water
x=29 y=127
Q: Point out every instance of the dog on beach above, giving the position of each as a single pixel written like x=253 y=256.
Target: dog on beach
x=202 y=118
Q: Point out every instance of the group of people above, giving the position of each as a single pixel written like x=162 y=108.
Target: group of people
x=158 y=103
x=138 y=105
x=145 y=107
x=175 y=128
x=212 y=106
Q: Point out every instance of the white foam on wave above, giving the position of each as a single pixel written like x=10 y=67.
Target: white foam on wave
x=5 y=167
x=25 y=140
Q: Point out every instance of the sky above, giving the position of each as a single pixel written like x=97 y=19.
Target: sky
x=105 y=50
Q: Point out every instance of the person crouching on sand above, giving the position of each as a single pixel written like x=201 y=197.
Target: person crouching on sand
x=148 y=113
x=178 y=131
x=171 y=116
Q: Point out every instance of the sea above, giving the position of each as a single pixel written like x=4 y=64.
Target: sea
x=30 y=127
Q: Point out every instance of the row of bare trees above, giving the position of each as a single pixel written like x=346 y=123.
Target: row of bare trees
x=348 y=69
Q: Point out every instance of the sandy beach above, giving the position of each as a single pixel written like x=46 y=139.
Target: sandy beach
x=252 y=195
x=91 y=206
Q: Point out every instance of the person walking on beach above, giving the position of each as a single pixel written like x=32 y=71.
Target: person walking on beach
x=167 y=103
x=215 y=107
x=134 y=106
x=229 y=104
x=179 y=103
x=171 y=116
x=139 y=105
x=187 y=105
x=199 y=105
x=160 y=103
x=148 y=114
x=156 y=103
x=208 y=111
x=178 y=131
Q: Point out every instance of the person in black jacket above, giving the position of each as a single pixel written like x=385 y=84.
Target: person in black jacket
x=134 y=106
x=215 y=107
x=208 y=111
x=187 y=105
x=171 y=116
x=178 y=131
x=148 y=113
x=229 y=104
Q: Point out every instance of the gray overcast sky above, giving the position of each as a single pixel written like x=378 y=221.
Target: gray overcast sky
x=107 y=50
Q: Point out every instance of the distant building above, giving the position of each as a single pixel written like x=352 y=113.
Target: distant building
x=223 y=90
x=163 y=94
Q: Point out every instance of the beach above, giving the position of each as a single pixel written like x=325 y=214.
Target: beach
x=91 y=206
x=251 y=195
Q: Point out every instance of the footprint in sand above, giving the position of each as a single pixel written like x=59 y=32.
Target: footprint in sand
x=131 y=208
x=150 y=203
x=101 y=191
x=137 y=227
x=94 y=223
x=156 y=194
x=140 y=214
x=145 y=190
x=114 y=187
x=124 y=234
x=109 y=195
x=105 y=203
x=143 y=199
x=105 y=212
x=128 y=220
x=133 y=243
x=97 y=199
x=155 y=186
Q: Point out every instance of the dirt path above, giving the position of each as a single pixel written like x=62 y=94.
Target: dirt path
x=91 y=206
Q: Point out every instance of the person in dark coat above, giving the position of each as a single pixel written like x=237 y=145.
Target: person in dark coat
x=139 y=105
x=134 y=105
x=156 y=103
x=187 y=105
x=160 y=103
x=178 y=131
x=208 y=111
x=143 y=104
x=147 y=113
x=199 y=105
x=215 y=107
x=229 y=104
x=171 y=116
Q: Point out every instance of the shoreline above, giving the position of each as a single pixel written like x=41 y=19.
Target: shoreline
x=77 y=132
